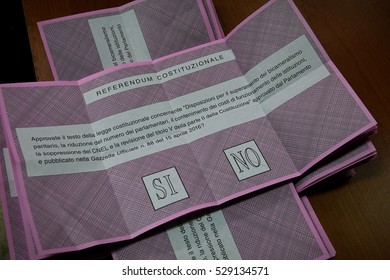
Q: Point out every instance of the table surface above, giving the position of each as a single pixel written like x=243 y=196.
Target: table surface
x=356 y=35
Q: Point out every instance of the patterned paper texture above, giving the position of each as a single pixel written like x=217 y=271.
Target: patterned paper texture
x=268 y=225
x=75 y=211
x=215 y=23
x=15 y=228
x=347 y=159
x=19 y=237
x=18 y=245
x=168 y=26
x=207 y=6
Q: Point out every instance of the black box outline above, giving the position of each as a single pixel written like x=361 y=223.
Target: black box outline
x=253 y=140
x=181 y=180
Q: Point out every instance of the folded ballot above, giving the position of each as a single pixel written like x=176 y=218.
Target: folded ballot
x=202 y=26
x=62 y=38
x=273 y=224
x=353 y=156
x=83 y=44
x=115 y=154
x=21 y=244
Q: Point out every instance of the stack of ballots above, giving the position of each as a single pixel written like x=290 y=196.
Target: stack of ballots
x=162 y=138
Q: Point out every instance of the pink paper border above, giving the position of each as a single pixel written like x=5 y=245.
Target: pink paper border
x=309 y=30
x=20 y=183
x=142 y=63
x=311 y=220
x=319 y=228
x=331 y=64
x=7 y=222
x=23 y=197
x=103 y=11
x=214 y=18
x=206 y=19
x=261 y=9
x=23 y=203
x=311 y=224
x=341 y=166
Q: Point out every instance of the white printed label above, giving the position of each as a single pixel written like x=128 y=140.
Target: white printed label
x=10 y=173
x=146 y=130
x=205 y=238
x=165 y=75
x=165 y=187
x=119 y=39
x=246 y=160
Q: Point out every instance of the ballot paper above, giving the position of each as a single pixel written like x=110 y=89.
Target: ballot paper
x=206 y=28
x=273 y=224
x=191 y=238
x=83 y=44
x=354 y=156
x=19 y=238
x=218 y=121
x=214 y=21
x=21 y=244
x=61 y=51
x=14 y=228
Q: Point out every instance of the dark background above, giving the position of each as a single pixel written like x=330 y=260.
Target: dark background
x=16 y=60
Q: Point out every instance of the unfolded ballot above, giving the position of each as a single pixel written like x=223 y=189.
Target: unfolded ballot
x=115 y=154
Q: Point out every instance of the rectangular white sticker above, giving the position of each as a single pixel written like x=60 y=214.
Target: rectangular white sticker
x=119 y=39
x=205 y=238
x=10 y=173
x=153 y=128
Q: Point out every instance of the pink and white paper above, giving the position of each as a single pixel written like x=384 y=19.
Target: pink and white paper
x=21 y=245
x=347 y=159
x=167 y=26
x=291 y=139
x=19 y=238
x=60 y=51
x=273 y=224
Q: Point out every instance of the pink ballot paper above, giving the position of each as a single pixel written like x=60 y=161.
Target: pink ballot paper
x=83 y=44
x=113 y=155
x=15 y=231
x=352 y=157
x=18 y=233
x=273 y=224
x=64 y=52
x=19 y=238
x=21 y=245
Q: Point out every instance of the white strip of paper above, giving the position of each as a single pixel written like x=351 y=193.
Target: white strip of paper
x=153 y=128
